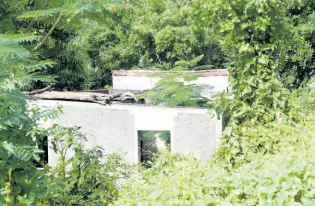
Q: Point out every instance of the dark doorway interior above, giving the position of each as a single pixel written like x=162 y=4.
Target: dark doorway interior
x=43 y=145
x=152 y=142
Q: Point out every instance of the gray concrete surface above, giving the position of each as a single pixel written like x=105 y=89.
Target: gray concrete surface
x=196 y=134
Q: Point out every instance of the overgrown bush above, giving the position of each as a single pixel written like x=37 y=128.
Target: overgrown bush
x=279 y=172
x=82 y=176
x=276 y=166
x=176 y=88
x=20 y=132
x=82 y=180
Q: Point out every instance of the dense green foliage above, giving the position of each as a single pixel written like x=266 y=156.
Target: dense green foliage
x=21 y=134
x=143 y=34
x=279 y=168
x=19 y=128
x=300 y=67
x=122 y=35
x=260 y=46
x=176 y=88
x=59 y=22
x=283 y=178
x=265 y=156
x=266 y=153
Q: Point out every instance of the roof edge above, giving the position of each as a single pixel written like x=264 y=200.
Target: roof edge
x=201 y=73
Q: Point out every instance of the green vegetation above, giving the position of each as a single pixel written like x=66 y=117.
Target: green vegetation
x=19 y=129
x=122 y=35
x=266 y=153
x=93 y=176
x=90 y=177
x=278 y=170
x=175 y=88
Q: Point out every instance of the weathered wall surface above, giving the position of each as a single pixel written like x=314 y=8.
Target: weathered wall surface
x=112 y=129
x=133 y=82
x=115 y=127
x=142 y=80
x=196 y=134
x=108 y=128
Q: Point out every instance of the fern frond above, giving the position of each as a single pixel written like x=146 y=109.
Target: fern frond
x=40 y=13
x=18 y=38
x=38 y=65
x=9 y=51
x=71 y=8
x=18 y=69
x=33 y=77
x=67 y=9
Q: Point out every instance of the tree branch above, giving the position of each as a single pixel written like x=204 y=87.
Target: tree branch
x=49 y=33
x=38 y=91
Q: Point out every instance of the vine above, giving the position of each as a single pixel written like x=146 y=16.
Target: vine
x=258 y=33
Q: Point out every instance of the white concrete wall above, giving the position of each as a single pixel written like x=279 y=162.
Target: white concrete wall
x=134 y=82
x=220 y=83
x=115 y=127
x=195 y=133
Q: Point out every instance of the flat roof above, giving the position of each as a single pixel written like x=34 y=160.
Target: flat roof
x=78 y=96
x=201 y=73
x=95 y=97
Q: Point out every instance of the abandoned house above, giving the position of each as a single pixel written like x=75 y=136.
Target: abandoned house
x=114 y=121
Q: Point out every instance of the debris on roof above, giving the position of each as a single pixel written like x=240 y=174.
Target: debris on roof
x=122 y=95
x=96 y=97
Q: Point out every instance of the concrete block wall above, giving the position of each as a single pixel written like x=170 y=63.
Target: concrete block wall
x=111 y=129
x=115 y=127
x=197 y=134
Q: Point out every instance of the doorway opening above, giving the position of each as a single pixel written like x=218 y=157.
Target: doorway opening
x=151 y=142
x=43 y=157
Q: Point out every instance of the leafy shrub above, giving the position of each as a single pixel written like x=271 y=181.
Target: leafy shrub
x=176 y=88
x=280 y=174
x=20 y=132
x=89 y=177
